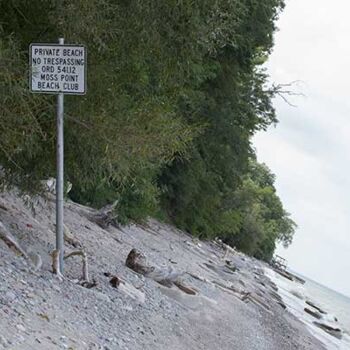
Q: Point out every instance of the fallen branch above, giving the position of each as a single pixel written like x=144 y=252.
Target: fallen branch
x=33 y=258
x=257 y=301
x=68 y=237
x=165 y=276
x=84 y=261
x=84 y=281
x=239 y=293
x=56 y=269
x=11 y=242
x=184 y=288
x=106 y=216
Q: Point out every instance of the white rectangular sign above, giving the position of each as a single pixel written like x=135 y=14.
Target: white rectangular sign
x=57 y=68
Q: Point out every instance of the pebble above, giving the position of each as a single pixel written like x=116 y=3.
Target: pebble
x=3 y=341
x=56 y=288
x=20 y=327
x=20 y=338
x=10 y=296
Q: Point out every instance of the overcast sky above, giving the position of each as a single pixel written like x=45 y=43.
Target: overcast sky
x=309 y=150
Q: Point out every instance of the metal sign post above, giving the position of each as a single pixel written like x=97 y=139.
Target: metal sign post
x=60 y=174
x=59 y=69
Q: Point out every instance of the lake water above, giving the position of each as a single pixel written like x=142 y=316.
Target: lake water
x=335 y=304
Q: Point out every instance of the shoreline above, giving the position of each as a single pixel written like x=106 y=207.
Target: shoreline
x=310 y=311
x=234 y=305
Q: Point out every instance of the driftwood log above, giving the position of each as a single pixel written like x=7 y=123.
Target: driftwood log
x=68 y=237
x=165 y=275
x=85 y=276
x=11 y=242
x=85 y=280
x=33 y=258
x=56 y=269
x=106 y=216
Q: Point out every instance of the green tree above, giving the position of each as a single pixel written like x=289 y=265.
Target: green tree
x=175 y=93
x=264 y=221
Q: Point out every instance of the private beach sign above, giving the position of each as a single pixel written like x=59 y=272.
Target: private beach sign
x=61 y=70
x=57 y=69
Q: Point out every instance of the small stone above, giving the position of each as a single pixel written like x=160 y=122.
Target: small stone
x=3 y=341
x=10 y=296
x=20 y=327
x=20 y=339
x=56 y=288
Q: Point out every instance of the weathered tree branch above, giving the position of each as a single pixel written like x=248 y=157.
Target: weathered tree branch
x=284 y=91
x=84 y=261
x=11 y=242
x=56 y=269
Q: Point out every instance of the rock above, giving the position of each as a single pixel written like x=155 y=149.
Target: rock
x=20 y=338
x=101 y=296
x=3 y=341
x=121 y=342
x=20 y=327
x=10 y=296
x=56 y=288
x=115 y=281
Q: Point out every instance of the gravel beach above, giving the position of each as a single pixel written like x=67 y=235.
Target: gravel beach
x=235 y=305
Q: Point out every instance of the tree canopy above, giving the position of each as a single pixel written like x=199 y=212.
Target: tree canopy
x=176 y=90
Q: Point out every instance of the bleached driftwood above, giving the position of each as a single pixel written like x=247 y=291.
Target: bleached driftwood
x=106 y=216
x=56 y=269
x=83 y=255
x=68 y=237
x=33 y=258
x=237 y=292
x=11 y=242
x=36 y=260
x=165 y=275
x=227 y=249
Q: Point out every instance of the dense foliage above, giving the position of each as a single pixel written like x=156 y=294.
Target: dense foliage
x=175 y=93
